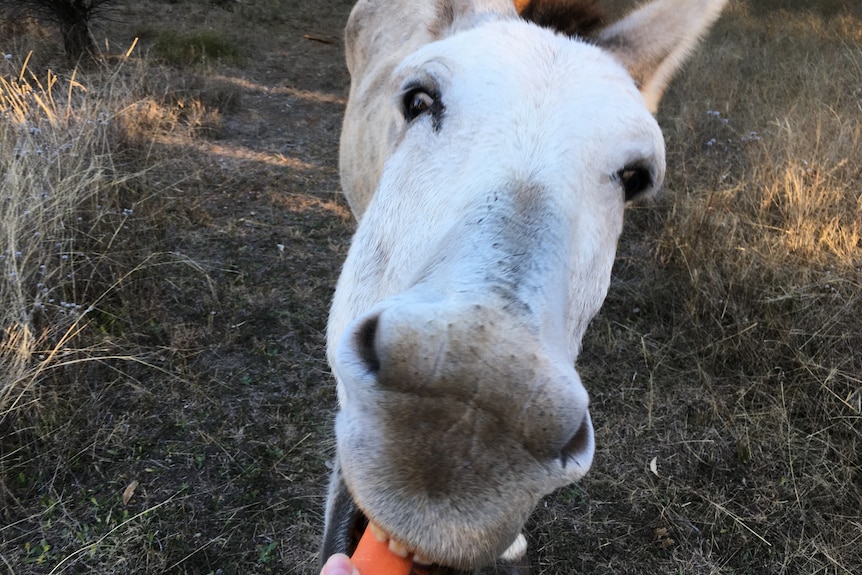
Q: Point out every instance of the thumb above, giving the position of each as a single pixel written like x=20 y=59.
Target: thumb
x=339 y=565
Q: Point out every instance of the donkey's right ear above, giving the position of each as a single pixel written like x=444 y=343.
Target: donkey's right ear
x=654 y=41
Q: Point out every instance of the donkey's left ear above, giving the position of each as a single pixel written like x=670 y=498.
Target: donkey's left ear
x=654 y=41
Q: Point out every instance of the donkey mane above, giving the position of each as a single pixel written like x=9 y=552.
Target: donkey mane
x=569 y=17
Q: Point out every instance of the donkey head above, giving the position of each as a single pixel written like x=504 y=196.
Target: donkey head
x=489 y=165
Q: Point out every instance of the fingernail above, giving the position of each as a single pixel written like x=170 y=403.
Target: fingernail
x=339 y=565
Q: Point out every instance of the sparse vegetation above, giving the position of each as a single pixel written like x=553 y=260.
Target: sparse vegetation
x=59 y=188
x=165 y=406
x=206 y=46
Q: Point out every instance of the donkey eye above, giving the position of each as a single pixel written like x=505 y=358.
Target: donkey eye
x=417 y=102
x=635 y=180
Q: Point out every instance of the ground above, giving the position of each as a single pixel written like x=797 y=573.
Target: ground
x=210 y=452
x=261 y=223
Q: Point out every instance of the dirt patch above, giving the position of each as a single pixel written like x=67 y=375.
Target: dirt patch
x=248 y=434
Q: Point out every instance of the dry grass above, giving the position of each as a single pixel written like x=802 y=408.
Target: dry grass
x=178 y=347
x=80 y=211
x=77 y=159
x=57 y=164
x=732 y=333
x=114 y=451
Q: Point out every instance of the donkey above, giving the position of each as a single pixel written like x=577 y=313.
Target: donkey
x=488 y=158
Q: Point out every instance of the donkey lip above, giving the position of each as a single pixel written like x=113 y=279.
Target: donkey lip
x=347 y=522
x=515 y=551
x=423 y=564
x=396 y=546
x=400 y=549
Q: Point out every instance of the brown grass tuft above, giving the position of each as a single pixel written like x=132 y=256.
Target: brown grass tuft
x=728 y=347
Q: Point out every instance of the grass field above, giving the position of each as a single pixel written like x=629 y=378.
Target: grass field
x=172 y=230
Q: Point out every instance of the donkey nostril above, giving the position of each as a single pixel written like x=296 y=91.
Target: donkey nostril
x=578 y=443
x=365 y=336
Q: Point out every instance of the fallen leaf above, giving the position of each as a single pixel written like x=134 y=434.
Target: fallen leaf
x=662 y=538
x=129 y=491
x=653 y=466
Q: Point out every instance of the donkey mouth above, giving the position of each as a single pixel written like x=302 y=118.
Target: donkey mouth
x=353 y=530
x=421 y=565
x=346 y=524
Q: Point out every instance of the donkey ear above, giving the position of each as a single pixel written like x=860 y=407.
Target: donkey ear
x=654 y=41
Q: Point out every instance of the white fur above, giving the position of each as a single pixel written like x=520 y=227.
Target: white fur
x=485 y=243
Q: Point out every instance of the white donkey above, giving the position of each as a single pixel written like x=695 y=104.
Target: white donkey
x=488 y=160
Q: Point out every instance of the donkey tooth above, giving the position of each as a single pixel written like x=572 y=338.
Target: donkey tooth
x=378 y=532
x=516 y=550
x=398 y=548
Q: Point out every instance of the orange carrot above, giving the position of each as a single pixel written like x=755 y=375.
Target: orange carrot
x=374 y=558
